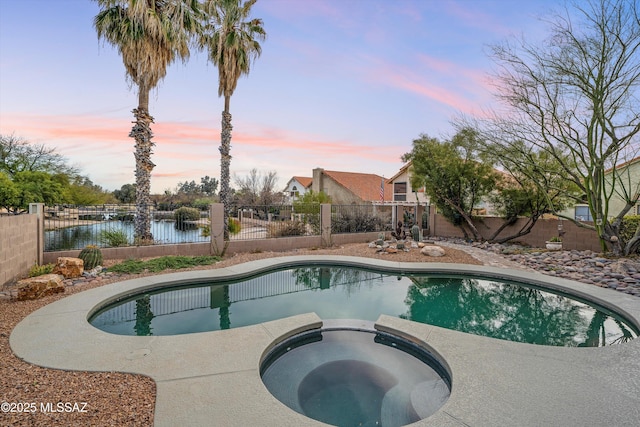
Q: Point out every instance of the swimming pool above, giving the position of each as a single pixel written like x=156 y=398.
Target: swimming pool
x=485 y=306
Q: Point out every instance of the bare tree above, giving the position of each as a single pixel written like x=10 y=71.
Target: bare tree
x=576 y=98
x=256 y=188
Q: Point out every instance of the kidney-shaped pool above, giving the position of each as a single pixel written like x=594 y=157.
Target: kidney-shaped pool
x=483 y=306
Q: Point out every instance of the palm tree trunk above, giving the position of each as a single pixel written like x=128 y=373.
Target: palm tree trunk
x=142 y=134
x=225 y=163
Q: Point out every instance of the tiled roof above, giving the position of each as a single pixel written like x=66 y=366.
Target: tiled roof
x=304 y=180
x=625 y=164
x=364 y=185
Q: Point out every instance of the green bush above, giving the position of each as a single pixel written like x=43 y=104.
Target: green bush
x=628 y=227
x=234 y=226
x=185 y=218
x=91 y=257
x=39 y=270
x=286 y=228
x=113 y=238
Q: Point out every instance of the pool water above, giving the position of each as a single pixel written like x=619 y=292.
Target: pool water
x=487 y=307
x=356 y=378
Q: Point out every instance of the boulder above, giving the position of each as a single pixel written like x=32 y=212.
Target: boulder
x=39 y=286
x=431 y=250
x=69 y=267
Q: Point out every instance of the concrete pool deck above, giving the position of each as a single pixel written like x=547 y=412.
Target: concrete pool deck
x=213 y=378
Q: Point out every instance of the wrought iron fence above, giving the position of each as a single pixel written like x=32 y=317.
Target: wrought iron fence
x=360 y=218
x=75 y=227
x=262 y=222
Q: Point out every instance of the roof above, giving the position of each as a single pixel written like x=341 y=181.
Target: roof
x=304 y=180
x=364 y=185
x=402 y=170
x=625 y=164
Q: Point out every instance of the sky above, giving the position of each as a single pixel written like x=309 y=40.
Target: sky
x=344 y=85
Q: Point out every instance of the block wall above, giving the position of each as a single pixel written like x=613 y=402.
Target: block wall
x=18 y=246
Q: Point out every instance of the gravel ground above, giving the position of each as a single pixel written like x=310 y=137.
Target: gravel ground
x=109 y=398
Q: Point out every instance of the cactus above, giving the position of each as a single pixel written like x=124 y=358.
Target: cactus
x=91 y=256
x=415 y=233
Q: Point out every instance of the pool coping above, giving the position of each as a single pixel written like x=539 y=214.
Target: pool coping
x=213 y=378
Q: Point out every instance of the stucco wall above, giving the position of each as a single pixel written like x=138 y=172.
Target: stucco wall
x=574 y=237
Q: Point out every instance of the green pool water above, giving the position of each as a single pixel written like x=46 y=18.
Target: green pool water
x=487 y=307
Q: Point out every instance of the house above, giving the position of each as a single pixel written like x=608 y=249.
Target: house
x=402 y=190
x=346 y=188
x=297 y=186
x=627 y=177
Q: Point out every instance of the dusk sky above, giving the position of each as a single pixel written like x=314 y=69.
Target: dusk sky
x=345 y=85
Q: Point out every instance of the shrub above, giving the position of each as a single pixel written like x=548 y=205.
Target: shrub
x=39 y=270
x=186 y=217
x=286 y=228
x=113 y=238
x=91 y=256
x=234 y=226
x=356 y=221
x=628 y=227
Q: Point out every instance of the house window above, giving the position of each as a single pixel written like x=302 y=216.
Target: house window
x=638 y=209
x=583 y=213
x=400 y=191
x=294 y=191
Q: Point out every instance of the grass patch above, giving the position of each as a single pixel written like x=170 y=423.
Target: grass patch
x=134 y=266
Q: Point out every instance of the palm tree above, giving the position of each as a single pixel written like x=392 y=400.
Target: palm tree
x=150 y=35
x=232 y=43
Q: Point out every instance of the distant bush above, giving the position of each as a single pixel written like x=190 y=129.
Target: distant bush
x=186 y=217
x=356 y=221
x=286 y=228
x=234 y=226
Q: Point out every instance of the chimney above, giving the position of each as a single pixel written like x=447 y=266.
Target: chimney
x=316 y=186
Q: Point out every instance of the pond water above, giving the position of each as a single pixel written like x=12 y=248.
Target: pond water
x=481 y=306
x=80 y=236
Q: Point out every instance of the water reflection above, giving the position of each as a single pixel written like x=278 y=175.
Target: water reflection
x=478 y=306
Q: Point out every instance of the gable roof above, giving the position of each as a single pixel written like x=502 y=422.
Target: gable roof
x=402 y=170
x=304 y=180
x=364 y=185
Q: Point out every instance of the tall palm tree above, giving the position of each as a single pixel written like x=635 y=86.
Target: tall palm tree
x=232 y=42
x=150 y=35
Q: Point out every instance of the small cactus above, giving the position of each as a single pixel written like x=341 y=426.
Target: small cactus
x=415 y=233
x=91 y=256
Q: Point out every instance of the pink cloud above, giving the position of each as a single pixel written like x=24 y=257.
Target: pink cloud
x=473 y=17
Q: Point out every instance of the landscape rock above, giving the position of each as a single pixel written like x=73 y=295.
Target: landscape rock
x=69 y=267
x=39 y=286
x=432 y=250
